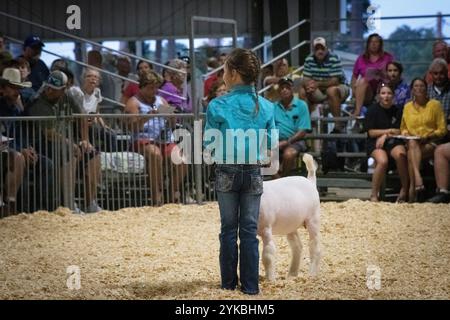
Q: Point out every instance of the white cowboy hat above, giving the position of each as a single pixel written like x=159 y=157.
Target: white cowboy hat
x=12 y=76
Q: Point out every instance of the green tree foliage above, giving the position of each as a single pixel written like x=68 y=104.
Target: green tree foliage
x=415 y=55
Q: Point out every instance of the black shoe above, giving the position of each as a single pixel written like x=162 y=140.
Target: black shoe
x=420 y=196
x=440 y=197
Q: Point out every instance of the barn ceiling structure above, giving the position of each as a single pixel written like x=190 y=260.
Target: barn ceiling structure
x=131 y=20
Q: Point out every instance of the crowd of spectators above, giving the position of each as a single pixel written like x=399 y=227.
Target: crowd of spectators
x=406 y=124
x=46 y=151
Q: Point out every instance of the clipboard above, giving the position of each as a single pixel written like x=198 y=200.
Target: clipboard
x=407 y=137
x=166 y=109
x=6 y=139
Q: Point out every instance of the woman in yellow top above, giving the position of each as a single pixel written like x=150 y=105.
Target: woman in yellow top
x=422 y=117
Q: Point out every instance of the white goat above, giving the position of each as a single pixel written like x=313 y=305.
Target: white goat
x=286 y=205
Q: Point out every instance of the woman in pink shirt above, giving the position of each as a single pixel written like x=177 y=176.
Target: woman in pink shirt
x=368 y=71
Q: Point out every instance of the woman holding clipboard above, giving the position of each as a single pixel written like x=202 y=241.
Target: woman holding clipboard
x=382 y=124
x=153 y=138
x=424 y=118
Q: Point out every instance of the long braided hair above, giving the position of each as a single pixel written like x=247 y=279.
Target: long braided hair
x=247 y=64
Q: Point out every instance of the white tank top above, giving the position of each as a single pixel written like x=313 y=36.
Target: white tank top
x=155 y=128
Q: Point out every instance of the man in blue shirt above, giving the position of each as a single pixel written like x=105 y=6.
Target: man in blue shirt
x=32 y=49
x=293 y=122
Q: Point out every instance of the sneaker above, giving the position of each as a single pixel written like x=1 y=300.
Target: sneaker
x=440 y=197
x=370 y=165
x=76 y=209
x=93 y=207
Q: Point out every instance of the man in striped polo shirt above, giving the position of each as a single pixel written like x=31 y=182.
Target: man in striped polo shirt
x=324 y=80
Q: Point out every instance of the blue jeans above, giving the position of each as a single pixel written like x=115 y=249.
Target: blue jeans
x=239 y=189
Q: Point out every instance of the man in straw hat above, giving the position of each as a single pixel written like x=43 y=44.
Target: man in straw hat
x=18 y=156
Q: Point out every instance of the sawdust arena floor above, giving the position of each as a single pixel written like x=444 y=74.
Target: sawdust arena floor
x=171 y=252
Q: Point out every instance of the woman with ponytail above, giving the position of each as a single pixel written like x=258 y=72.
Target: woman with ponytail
x=239 y=183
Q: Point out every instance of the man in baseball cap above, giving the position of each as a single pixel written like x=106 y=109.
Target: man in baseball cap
x=33 y=41
x=57 y=80
x=52 y=91
x=32 y=49
x=293 y=122
x=324 y=81
x=53 y=102
x=320 y=41
x=285 y=81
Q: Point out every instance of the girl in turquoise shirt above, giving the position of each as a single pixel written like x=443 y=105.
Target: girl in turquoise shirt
x=239 y=183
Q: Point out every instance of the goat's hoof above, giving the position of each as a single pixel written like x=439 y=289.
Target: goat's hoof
x=270 y=277
x=293 y=274
x=313 y=273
